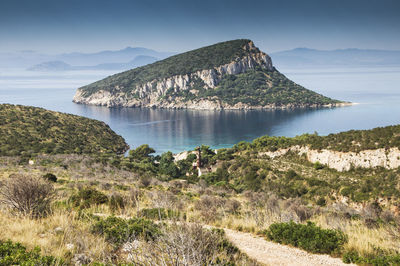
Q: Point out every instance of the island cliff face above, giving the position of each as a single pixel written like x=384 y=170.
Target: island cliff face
x=193 y=89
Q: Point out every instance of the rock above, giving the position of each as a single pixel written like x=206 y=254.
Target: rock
x=70 y=246
x=81 y=259
x=58 y=230
x=344 y=161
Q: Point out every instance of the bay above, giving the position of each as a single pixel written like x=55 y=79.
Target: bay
x=376 y=90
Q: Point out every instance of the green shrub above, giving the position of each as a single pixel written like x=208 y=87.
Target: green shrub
x=352 y=256
x=160 y=214
x=318 y=166
x=117 y=202
x=50 y=177
x=16 y=254
x=118 y=231
x=88 y=197
x=321 y=202
x=308 y=237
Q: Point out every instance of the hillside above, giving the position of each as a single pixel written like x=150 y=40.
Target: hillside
x=228 y=75
x=31 y=130
x=140 y=208
x=348 y=141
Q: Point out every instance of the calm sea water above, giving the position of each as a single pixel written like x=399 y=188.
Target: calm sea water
x=376 y=90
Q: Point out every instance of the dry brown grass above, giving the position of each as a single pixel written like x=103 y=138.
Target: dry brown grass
x=53 y=234
x=251 y=213
x=361 y=238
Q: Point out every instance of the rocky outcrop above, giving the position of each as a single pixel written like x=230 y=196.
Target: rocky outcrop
x=151 y=94
x=344 y=161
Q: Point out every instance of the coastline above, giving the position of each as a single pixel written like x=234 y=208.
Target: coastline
x=109 y=100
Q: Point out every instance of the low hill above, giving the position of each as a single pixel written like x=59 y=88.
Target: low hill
x=228 y=75
x=25 y=129
x=138 y=61
x=51 y=66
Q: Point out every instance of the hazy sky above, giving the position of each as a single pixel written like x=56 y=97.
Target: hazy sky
x=55 y=26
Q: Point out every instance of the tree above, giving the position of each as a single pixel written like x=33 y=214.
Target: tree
x=167 y=165
x=141 y=153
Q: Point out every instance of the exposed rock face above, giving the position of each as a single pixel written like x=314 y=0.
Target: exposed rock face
x=150 y=94
x=344 y=161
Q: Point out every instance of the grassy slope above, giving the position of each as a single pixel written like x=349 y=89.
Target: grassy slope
x=199 y=59
x=213 y=204
x=25 y=129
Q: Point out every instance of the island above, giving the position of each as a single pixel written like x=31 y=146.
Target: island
x=227 y=75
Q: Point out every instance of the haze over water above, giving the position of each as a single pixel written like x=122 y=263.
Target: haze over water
x=376 y=90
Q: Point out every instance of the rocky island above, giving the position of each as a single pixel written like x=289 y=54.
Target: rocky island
x=228 y=75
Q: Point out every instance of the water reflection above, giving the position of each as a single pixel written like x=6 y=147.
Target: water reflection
x=177 y=130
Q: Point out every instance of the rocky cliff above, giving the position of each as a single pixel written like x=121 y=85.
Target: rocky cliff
x=188 y=89
x=344 y=161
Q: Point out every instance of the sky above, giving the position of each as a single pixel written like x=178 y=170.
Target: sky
x=58 y=26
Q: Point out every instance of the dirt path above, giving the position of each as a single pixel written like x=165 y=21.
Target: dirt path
x=270 y=253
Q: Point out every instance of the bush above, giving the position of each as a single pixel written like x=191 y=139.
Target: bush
x=117 y=202
x=308 y=237
x=16 y=254
x=118 y=231
x=27 y=195
x=50 y=177
x=159 y=213
x=318 y=166
x=184 y=244
x=352 y=256
x=87 y=197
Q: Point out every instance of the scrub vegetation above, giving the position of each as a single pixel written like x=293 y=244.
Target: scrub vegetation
x=105 y=208
x=26 y=130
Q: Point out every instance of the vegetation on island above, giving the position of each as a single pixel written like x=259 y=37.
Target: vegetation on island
x=203 y=58
x=256 y=87
x=32 y=130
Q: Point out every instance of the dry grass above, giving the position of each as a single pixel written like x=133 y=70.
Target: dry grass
x=53 y=234
x=251 y=216
x=361 y=238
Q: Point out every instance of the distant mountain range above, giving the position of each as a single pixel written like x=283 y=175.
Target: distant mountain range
x=99 y=60
x=139 y=60
x=132 y=57
x=305 y=57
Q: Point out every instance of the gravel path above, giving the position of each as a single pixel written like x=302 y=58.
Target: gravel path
x=270 y=253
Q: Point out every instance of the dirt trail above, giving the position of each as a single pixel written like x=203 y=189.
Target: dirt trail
x=270 y=253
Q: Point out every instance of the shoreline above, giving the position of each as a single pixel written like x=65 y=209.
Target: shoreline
x=238 y=106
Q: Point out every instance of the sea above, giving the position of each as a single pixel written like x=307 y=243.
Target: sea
x=375 y=92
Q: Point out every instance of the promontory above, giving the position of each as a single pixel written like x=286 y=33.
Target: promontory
x=227 y=75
